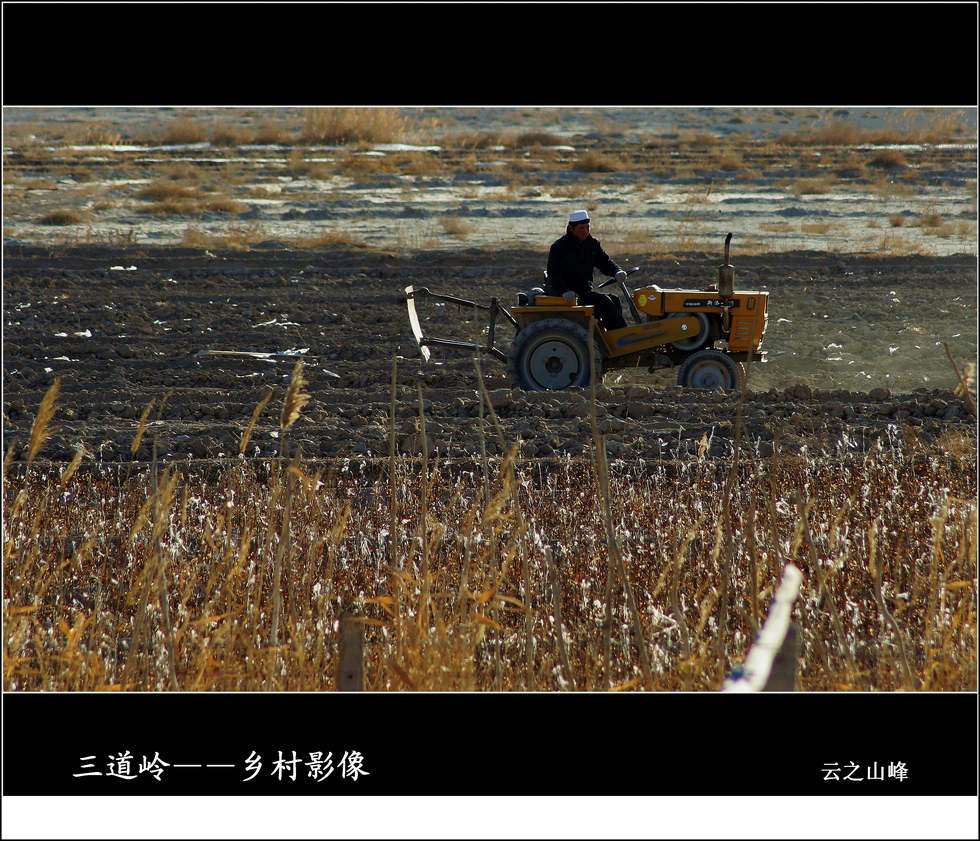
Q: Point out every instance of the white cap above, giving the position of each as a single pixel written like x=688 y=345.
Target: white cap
x=578 y=216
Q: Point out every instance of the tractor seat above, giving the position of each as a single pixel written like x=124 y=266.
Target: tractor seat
x=529 y=298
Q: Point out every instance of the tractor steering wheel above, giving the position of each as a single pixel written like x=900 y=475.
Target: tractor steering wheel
x=612 y=280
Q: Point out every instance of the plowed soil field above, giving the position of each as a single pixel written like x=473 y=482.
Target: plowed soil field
x=855 y=349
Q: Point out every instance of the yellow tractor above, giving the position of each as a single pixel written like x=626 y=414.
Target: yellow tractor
x=672 y=327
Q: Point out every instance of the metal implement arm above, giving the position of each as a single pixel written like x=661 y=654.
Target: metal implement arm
x=411 y=293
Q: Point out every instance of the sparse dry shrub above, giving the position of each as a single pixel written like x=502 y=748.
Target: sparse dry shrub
x=729 y=161
x=537 y=138
x=815 y=227
x=234 y=238
x=98 y=134
x=223 y=204
x=167 y=191
x=911 y=126
x=325 y=239
x=455 y=226
x=193 y=238
x=226 y=134
x=273 y=133
x=697 y=138
x=417 y=163
x=240 y=237
x=365 y=163
x=473 y=140
x=171 y=207
x=183 y=130
x=812 y=186
x=599 y=162
x=888 y=159
x=830 y=133
x=353 y=125
x=299 y=165
x=180 y=171
x=65 y=216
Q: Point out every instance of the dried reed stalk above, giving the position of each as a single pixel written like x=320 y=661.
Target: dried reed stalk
x=614 y=555
x=821 y=579
x=292 y=404
x=153 y=577
x=41 y=429
x=394 y=560
x=876 y=571
x=247 y=435
x=509 y=490
x=966 y=381
x=423 y=614
x=72 y=468
x=932 y=584
x=753 y=567
x=138 y=438
x=776 y=560
x=483 y=438
x=675 y=584
x=8 y=458
x=280 y=559
x=559 y=625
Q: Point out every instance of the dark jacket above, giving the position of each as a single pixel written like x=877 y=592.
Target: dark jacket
x=571 y=261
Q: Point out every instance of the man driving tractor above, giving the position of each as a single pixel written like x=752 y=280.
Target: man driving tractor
x=570 y=265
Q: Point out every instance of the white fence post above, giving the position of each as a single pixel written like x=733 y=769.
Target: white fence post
x=770 y=665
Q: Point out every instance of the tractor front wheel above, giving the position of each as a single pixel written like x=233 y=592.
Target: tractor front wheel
x=552 y=354
x=710 y=369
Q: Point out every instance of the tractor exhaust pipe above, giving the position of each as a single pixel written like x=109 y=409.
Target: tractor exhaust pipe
x=726 y=273
x=726 y=286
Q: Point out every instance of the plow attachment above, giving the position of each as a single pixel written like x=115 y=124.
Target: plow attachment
x=494 y=309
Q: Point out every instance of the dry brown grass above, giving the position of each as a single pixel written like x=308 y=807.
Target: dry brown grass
x=464 y=575
x=326 y=239
x=537 y=138
x=599 y=162
x=65 y=216
x=364 y=163
x=98 y=134
x=273 y=133
x=455 y=226
x=167 y=191
x=229 y=134
x=812 y=186
x=168 y=199
x=816 y=227
x=184 y=130
x=911 y=126
x=353 y=125
x=473 y=140
x=888 y=159
x=234 y=238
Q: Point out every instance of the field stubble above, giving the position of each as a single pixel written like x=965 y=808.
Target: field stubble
x=496 y=574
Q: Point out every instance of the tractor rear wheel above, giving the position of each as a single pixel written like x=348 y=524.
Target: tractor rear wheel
x=710 y=369
x=552 y=354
